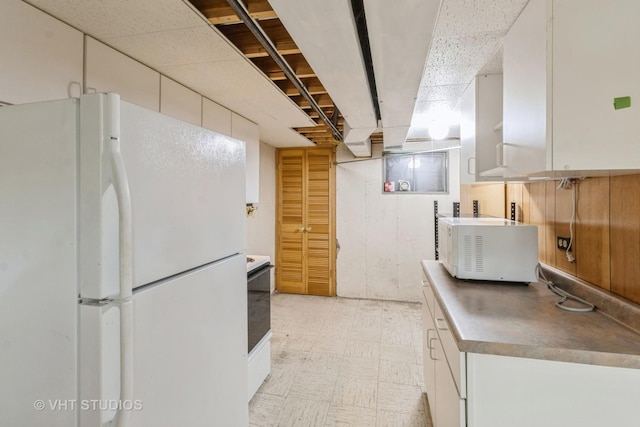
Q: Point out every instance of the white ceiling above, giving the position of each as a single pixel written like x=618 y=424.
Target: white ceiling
x=467 y=36
x=175 y=39
x=172 y=37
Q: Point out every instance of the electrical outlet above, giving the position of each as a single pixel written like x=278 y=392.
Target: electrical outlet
x=563 y=243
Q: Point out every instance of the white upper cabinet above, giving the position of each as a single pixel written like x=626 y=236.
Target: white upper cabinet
x=108 y=70
x=480 y=134
x=180 y=102
x=40 y=52
x=566 y=63
x=249 y=132
x=215 y=117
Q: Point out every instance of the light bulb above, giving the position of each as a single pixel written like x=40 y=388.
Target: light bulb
x=438 y=130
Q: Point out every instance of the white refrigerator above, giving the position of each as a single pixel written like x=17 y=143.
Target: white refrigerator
x=122 y=273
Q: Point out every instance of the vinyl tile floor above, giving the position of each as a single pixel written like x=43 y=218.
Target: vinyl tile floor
x=342 y=362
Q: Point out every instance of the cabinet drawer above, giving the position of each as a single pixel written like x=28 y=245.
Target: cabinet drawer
x=427 y=290
x=455 y=358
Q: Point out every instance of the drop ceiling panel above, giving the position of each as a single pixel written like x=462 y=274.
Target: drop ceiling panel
x=118 y=18
x=281 y=137
x=474 y=49
x=400 y=39
x=443 y=92
x=425 y=107
x=450 y=75
x=463 y=17
x=494 y=65
x=234 y=84
x=176 y=47
x=326 y=34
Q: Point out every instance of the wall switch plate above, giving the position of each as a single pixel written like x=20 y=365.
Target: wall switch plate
x=563 y=243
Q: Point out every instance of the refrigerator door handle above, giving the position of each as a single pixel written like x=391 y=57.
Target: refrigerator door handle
x=121 y=187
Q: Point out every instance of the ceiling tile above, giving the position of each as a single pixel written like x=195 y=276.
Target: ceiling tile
x=176 y=47
x=469 y=49
x=278 y=136
x=494 y=65
x=424 y=107
x=450 y=75
x=463 y=17
x=234 y=85
x=440 y=93
x=117 y=18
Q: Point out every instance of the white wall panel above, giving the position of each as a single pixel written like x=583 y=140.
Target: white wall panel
x=383 y=237
x=108 y=70
x=180 y=102
x=215 y=117
x=41 y=56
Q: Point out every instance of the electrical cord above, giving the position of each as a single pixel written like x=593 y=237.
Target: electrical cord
x=569 y=184
x=564 y=295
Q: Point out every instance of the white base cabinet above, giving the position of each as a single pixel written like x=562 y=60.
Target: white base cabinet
x=510 y=391
x=488 y=390
x=444 y=366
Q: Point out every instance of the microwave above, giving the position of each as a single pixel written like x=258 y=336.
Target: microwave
x=488 y=249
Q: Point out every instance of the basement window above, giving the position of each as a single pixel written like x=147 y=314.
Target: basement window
x=416 y=173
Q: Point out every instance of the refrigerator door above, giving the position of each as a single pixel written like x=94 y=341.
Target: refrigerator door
x=190 y=347
x=187 y=191
x=38 y=265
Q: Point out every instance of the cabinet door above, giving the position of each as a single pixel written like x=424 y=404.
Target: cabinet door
x=249 y=132
x=525 y=92
x=108 y=70
x=468 y=160
x=429 y=336
x=290 y=259
x=41 y=56
x=450 y=408
x=488 y=116
x=596 y=58
x=215 y=117
x=319 y=222
x=180 y=102
x=306 y=222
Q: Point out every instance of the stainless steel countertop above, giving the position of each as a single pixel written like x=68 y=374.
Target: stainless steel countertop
x=523 y=321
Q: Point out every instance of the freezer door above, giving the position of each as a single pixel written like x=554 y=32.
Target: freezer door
x=190 y=349
x=38 y=267
x=187 y=192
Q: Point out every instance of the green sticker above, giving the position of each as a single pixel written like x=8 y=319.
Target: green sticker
x=624 y=102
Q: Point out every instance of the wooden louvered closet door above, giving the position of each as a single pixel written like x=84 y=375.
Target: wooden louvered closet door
x=305 y=258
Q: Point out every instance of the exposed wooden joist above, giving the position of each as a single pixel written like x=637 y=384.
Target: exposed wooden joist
x=313 y=85
x=218 y=12
x=324 y=101
x=223 y=16
x=244 y=40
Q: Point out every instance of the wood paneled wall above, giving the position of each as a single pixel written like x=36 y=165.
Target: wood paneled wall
x=606 y=234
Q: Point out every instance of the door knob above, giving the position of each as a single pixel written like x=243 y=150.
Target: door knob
x=308 y=228
x=301 y=229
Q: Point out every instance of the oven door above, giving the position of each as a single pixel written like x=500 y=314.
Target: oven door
x=258 y=304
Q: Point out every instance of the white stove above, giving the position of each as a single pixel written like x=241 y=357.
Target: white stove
x=256 y=261
x=258 y=320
